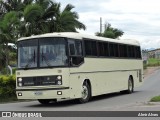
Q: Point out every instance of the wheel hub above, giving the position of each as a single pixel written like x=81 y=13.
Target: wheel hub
x=130 y=85
x=84 y=92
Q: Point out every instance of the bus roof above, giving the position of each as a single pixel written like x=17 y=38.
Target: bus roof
x=80 y=36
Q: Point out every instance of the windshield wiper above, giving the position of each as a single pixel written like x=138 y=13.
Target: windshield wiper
x=45 y=59
x=30 y=61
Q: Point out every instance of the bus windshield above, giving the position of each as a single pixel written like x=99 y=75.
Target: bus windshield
x=43 y=52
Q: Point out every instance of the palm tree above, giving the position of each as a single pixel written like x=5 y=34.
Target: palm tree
x=18 y=6
x=42 y=16
x=111 y=32
x=13 y=5
x=2 y=57
x=20 y=18
x=8 y=26
x=46 y=18
x=67 y=21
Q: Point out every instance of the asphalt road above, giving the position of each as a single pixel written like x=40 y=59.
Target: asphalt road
x=109 y=102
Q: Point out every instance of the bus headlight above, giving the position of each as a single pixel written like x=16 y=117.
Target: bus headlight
x=59 y=77
x=59 y=82
x=19 y=79
x=20 y=84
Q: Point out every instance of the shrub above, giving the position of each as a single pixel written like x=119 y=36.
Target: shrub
x=144 y=66
x=7 y=86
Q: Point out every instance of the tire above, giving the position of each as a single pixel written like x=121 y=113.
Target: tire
x=86 y=93
x=44 y=101
x=130 y=86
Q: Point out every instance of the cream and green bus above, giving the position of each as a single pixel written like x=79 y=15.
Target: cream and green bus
x=70 y=65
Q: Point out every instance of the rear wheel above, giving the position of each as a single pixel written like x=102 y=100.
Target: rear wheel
x=86 y=93
x=130 y=86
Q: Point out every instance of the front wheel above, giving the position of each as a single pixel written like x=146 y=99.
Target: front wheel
x=86 y=93
x=46 y=101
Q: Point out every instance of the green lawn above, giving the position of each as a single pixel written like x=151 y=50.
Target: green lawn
x=153 y=62
x=155 y=99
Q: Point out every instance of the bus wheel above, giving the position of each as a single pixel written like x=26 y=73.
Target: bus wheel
x=44 y=101
x=130 y=86
x=86 y=93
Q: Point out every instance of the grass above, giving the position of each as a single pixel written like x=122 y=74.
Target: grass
x=153 y=62
x=155 y=99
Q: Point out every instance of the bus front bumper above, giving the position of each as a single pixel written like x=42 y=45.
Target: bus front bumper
x=45 y=93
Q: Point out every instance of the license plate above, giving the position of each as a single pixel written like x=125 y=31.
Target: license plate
x=38 y=93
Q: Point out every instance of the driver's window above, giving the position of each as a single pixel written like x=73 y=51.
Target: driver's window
x=75 y=47
x=75 y=52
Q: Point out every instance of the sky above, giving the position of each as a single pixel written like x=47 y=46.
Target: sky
x=138 y=19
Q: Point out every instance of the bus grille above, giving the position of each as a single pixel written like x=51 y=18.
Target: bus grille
x=39 y=81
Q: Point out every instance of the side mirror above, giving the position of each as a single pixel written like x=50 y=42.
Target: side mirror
x=76 y=60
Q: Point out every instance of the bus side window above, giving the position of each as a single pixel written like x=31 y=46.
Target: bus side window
x=75 y=52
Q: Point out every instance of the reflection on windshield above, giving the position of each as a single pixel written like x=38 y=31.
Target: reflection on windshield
x=27 y=54
x=52 y=52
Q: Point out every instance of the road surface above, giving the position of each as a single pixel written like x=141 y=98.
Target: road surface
x=109 y=102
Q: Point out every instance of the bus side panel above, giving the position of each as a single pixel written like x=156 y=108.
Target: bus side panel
x=75 y=86
x=105 y=75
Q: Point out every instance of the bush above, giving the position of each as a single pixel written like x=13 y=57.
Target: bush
x=14 y=70
x=7 y=86
x=5 y=71
x=144 y=66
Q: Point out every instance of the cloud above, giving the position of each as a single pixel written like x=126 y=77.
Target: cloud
x=139 y=19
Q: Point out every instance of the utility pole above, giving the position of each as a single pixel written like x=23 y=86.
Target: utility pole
x=105 y=26
x=100 y=25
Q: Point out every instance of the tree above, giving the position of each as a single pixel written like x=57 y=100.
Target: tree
x=67 y=21
x=8 y=26
x=13 y=5
x=111 y=32
x=47 y=18
x=22 y=18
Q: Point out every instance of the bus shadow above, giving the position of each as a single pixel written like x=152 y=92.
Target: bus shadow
x=111 y=95
x=57 y=104
x=69 y=103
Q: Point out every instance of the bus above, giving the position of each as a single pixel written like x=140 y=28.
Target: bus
x=68 y=65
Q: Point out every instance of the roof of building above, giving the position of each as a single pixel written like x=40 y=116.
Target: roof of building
x=158 y=49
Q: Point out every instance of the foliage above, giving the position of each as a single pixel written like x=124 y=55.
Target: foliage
x=110 y=32
x=67 y=21
x=7 y=86
x=144 y=66
x=155 y=99
x=7 y=35
x=152 y=62
x=22 y=18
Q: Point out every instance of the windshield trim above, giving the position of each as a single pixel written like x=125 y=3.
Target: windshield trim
x=38 y=56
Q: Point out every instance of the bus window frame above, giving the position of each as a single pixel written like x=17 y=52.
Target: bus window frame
x=38 y=65
x=71 y=56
